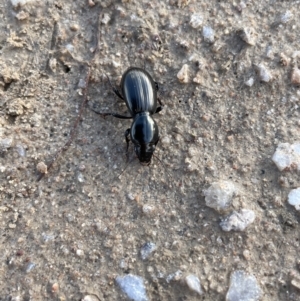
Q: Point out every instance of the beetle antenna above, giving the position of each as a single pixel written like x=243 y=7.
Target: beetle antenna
x=128 y=162
x=163 y=164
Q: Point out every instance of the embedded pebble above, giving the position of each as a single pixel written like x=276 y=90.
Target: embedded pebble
x=81 y=83
x=294 y=198
x=147 y=249
x=263 y=73
x=148 y=209
x=105 y=19
x=295 y=76
x=42 y=167
x=249 y=35
x=20 y=2
x=5 y=144
x=133 y=287
x=183 y=74
x=90 y=298
x=286 y=17
x=249 y=82
x=193 y=283
x=208 y=34
x=174 y=276
x=238 y=221
x=20 y=150
x=243 y=287
x=196 y=20
x=79 y=253
x=219 y=195
x=287 y=156
x=48 y=237
x=30 y=266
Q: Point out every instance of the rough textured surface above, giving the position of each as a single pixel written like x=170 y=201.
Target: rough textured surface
x=86 y=220
x=243 y=287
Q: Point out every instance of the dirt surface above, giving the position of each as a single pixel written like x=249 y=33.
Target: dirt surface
x=70 y=234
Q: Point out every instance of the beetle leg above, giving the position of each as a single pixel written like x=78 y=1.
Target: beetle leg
x=127 y=133
x=116 y=91
x=158 y=109
x=110 y=114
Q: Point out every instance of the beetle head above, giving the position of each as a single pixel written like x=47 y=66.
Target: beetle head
x=144 y=152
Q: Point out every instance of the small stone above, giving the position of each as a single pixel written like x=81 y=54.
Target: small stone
x=133 y=287
x=80 y=177
x=16 y=107
x=90 y=298
x=263 y=73
x=295 y=76
x=286 y=17
x=287 y=156
x=294 y=198
x=12 y=226
x=106 y=18
x=284 y=60
x=165 y=140
x=147 y=249
x=55 y=288
x=5 y=144
x=79 y=253
x=16 y=3
x=238 y=221
x=183 y=74
x=22 y=15
x=53 y=64
x=219 y=195
x=42 y=168
x=243 y=287
x=208 y=34
x=174 y=276
x=20 y=150
x=249 y=35
x=247 y=254
x=74 y=27
x=91 y=3
x=196 y=20
x=30 y=266
x=249 y=82
x=193 y=283
x=148 y=209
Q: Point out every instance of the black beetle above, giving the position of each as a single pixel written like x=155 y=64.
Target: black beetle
x=139 y=91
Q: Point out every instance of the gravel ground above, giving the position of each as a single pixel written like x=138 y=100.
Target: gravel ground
x=69 y=235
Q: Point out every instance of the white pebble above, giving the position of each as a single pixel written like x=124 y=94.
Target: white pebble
x=238 y=221
x=183 y=74
x=20 y=2
x=208 y=34
x=286 y=17
x=249 y=35
x=90 y=298
x=133 y=287
x=105 y=19
x=79 y=253
x=249 y=82
x=294 y=198
x=219 y=195
x=287 y=156
x=193 y=283
x=263 y=73
x=147 y=249
x=196 y=20
x=243 y=287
